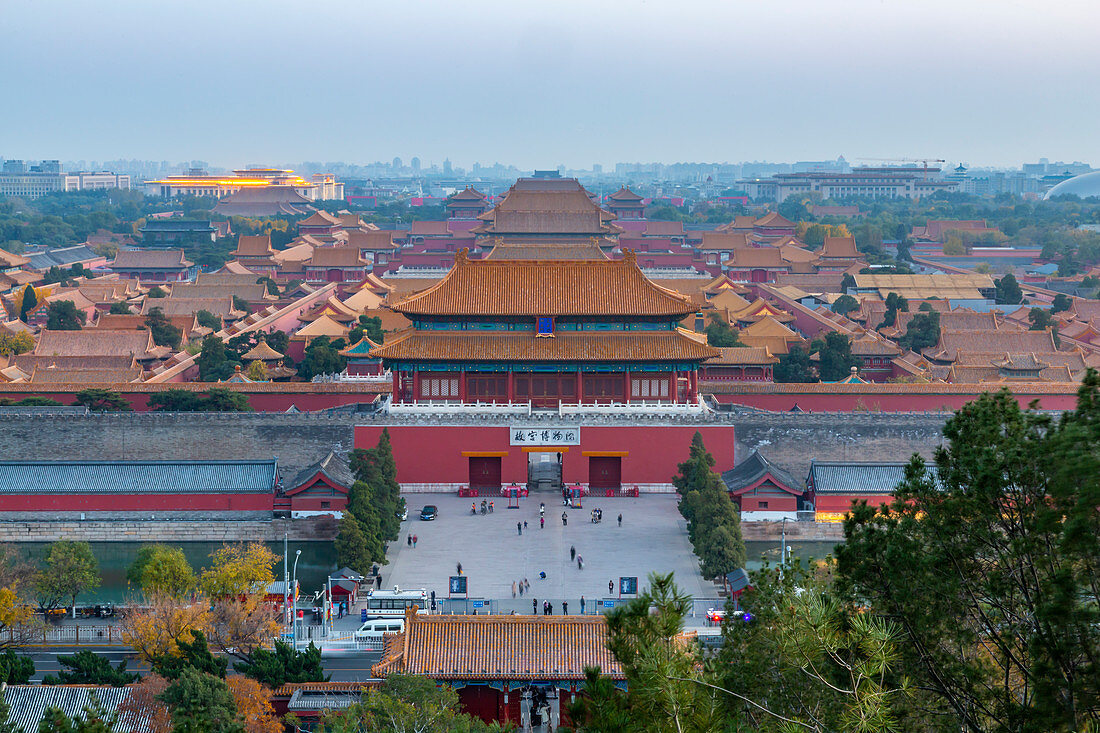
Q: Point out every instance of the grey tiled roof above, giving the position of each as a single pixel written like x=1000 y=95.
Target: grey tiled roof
x=28 y=703
x=62 y=257
x=855 y=477
x=313 y=700
x=138 y=477
x=750 y=470
x=332 y=465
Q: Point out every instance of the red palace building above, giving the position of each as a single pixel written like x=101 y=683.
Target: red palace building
x=544 y=371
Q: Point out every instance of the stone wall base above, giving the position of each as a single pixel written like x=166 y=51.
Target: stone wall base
x=321 y=529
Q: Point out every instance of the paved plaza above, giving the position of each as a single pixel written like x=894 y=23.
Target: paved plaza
x=653 y=537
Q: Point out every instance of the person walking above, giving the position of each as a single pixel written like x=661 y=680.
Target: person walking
x=527 y=583
x=534 y=606
x=525 y=524
x=572 y=553
x=565 y=608
x=542 y=522
x=519 y=529
x=580 y=563
x=378 y=578
x=611 y=586
x=549 y=608
x=513 y=589
x=409 y=540
x=458 y=566
x=415 y=538
x=521 y=589
x=564 y=519
x=620 y=519
x=582 y=605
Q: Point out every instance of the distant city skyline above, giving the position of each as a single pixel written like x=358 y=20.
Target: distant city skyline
x=994 y=83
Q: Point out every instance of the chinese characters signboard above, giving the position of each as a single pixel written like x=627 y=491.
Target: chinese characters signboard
x=545 y=435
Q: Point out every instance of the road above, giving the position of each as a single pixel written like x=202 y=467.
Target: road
x=343 y=668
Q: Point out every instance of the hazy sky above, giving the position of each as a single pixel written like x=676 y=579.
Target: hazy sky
x=561 y=82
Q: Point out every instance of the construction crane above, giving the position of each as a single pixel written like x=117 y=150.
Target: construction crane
x=924 y=161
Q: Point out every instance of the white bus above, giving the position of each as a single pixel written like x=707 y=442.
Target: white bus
x=394 y=602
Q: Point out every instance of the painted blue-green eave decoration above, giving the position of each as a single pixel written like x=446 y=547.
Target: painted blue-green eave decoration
x=527 y=366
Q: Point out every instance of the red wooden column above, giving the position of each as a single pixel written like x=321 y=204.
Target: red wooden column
x=626 y=386
x=511 y=386
x=693 y=385
x=416 y=386
x=672 y=385
x=462 y=386
x=580 y=387
x=396 y=394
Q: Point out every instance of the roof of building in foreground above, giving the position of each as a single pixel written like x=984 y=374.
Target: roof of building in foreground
x=499 y=648
x=546 y=288
x=28 y=704
x=137 y=477
x=754 y=470
x=857 y=477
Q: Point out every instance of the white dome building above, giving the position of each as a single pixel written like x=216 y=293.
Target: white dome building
x=1084 y=185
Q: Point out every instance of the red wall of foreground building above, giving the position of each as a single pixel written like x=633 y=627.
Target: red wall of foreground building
x=841 y=503
x=136 y=502
x=440 y=454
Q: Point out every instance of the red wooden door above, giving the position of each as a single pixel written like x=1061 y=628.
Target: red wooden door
x=605 y=472
x=485 y=473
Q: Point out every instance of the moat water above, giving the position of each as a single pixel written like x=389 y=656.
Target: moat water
x=317 y=561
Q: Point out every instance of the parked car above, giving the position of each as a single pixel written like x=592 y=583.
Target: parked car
x=374 y=628
x=429 y=513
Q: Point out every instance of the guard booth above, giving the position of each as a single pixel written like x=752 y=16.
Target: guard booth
x=574 y=494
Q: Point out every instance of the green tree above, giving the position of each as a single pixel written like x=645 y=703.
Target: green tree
x=160 y=569
x=377 y=468
x=192 y=655
x=88 y=668
x=164 y=333
x=176 y=400
x=802 y=660
x=62 y=315
x=321 y=357
x=668 y=685
x=714 y=525
x=354 y=548
x=240 y=304
x=720 y=333
x=923 y=330
x=834 y=353
x=277 y=667
x=894 y=304
x=30 y=301
x=794 y=366
x=15 y=669
x=221 y=399
x=213 y=361
x=102 y=400
x=1062 y=302
x=1008 y=290
x=156 y=292
x=119 y=308
x=844 y=305
x=71 y=569
x=1040 y=319
x=201 y=703
x=206 y=319
x=1007 y=533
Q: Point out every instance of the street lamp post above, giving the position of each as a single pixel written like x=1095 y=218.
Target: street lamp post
x=294 y=608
